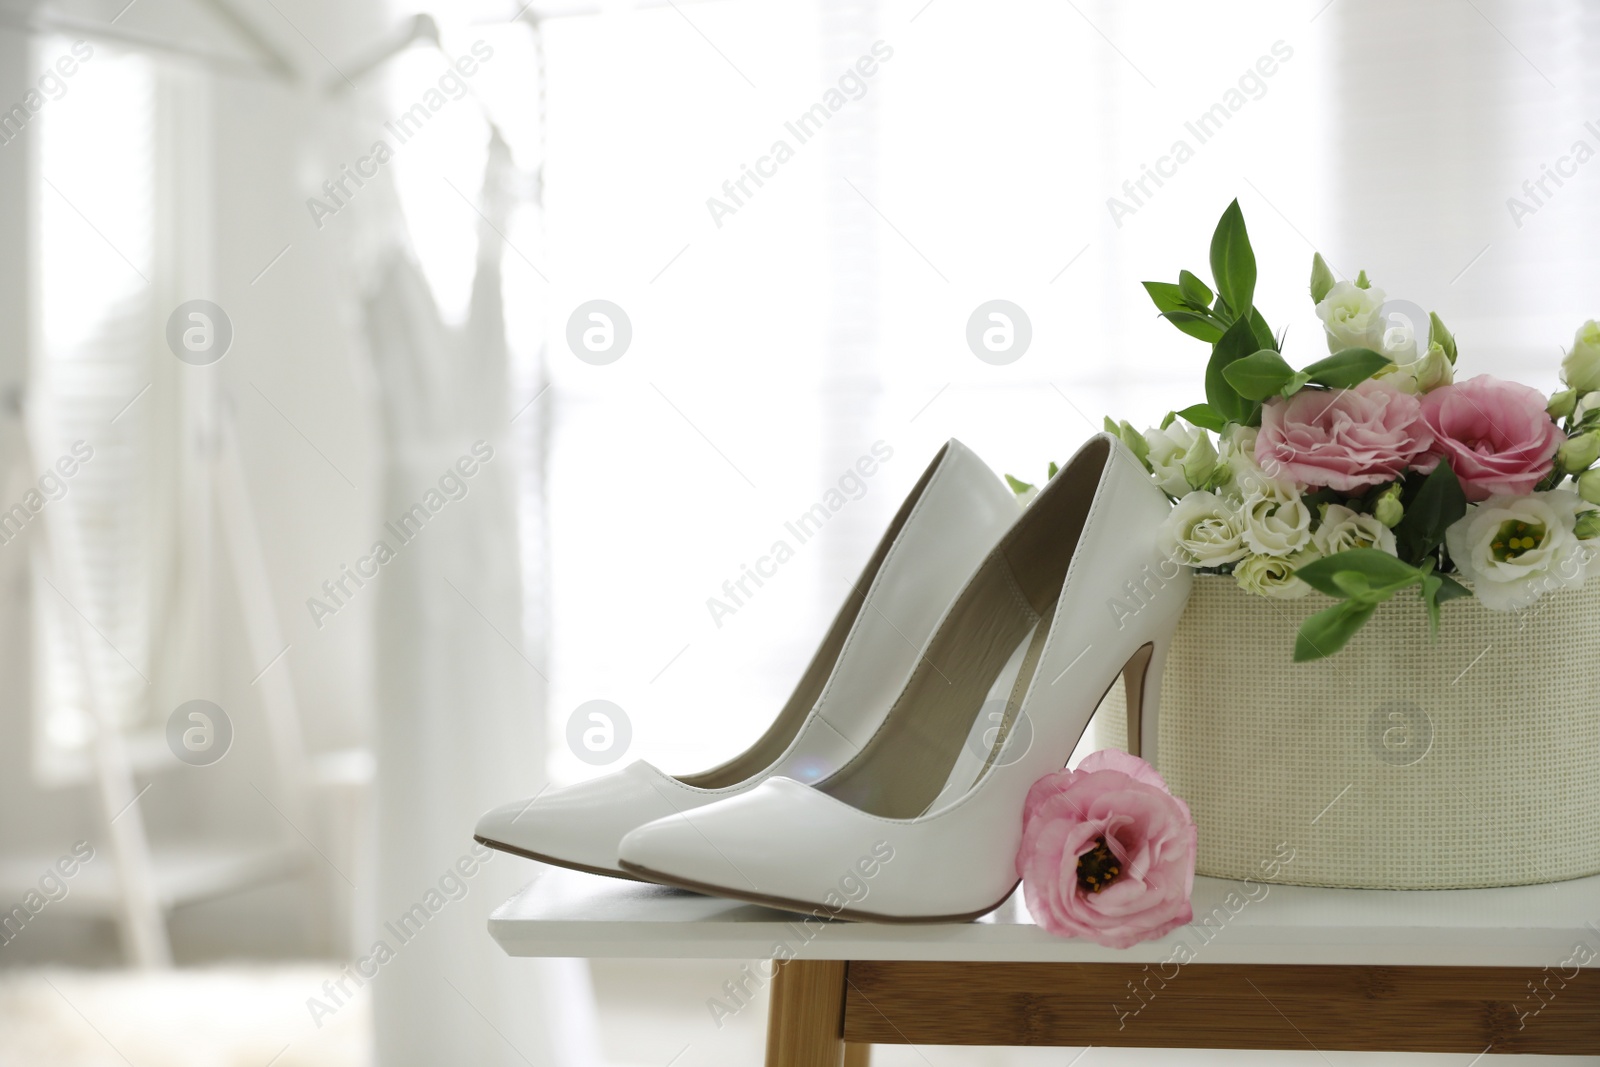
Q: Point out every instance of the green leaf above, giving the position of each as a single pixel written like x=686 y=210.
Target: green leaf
x=1431 y=584
x=1326 y=632
x=1203 y=416
x=1194 y=290
x=1315 y=499
x=1295 y=384
x=1322 y=279
x=1382 y=571
x=1233 y=263
x=1195 y=325
x=1439 y=504
x=1348 y=368
x=1437 y=332
x=1438 y=590
x=1263 y=332
x=1167 y=297
x=1354 y=585
x=1018 y=486
x=1234 y=345
x=1259 y=375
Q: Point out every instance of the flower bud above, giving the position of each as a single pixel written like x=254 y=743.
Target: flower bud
x=1581 y=369
x=1588 y=526
x=1579 y=453
x=1437 y=333
x=1563 y=404
x=1388 y=509
x=1322 y=279
x=1589 y=486
x=1025 y=491
x=1200 y=462
x=1434 y=369
x=1411 y=373
x=1586 y=403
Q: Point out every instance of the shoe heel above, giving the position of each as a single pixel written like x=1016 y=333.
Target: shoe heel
x=1141 y=680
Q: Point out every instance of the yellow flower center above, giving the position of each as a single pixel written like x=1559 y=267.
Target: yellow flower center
x=1097 y=868
x=1515 y=538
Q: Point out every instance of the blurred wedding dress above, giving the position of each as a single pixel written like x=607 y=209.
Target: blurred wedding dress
x=460 y=701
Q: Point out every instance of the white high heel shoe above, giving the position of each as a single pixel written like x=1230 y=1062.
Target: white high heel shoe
x=956 y=512
x=916 y=828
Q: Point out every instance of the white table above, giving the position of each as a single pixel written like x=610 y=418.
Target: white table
x=1503 y=970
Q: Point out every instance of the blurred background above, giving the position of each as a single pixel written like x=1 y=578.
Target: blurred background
x=322 y=526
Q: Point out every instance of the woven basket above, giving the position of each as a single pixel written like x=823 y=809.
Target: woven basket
x=1400 y=763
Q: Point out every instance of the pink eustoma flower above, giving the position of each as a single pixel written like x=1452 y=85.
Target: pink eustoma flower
x=1107 y=852
x=1497 y=435
x=1345 y=439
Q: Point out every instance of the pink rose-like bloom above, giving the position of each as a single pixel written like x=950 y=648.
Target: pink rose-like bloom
x=1345 y=439
x=1149 y=842
x=1497 y=435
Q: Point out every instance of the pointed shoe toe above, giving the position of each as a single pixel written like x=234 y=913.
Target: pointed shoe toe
x=952 y=516
x=579 y=825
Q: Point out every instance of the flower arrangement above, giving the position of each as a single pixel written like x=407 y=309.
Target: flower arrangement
x=1108 y=853
x=1371 y=471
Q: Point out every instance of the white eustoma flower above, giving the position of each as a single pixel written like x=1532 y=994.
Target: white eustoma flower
x=1236 y=451
x=1203 y=530
x=1276 y=521
x=1350 y=316
x=1399 y=342
x=1167 y=451
x=1245 y=474
x=1343 y=529
x=1273 y=576
x=1516 y=549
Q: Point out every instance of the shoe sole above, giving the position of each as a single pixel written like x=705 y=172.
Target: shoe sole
x=501 y=846
x=645 y=874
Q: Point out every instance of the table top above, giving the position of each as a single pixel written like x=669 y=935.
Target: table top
x=566 y=913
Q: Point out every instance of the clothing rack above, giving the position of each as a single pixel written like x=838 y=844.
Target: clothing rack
x=269 y=60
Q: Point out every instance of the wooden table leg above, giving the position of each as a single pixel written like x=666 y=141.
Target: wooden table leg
x=805 y=1027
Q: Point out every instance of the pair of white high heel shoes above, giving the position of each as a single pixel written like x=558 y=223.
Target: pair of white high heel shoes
x=964 y=667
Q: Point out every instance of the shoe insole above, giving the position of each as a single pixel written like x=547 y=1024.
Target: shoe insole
x=1000 y=734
